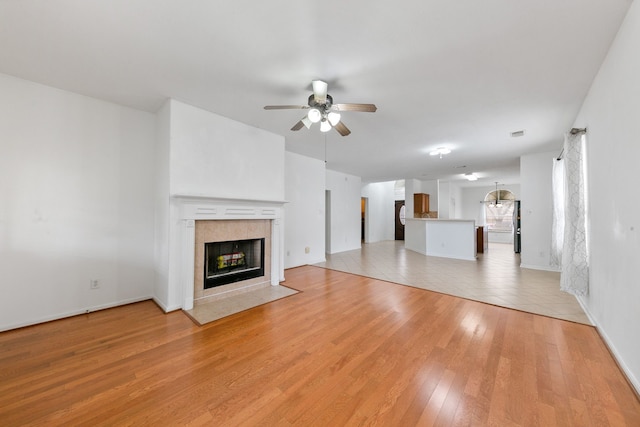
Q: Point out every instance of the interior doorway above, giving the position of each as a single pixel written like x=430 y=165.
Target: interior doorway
x=400 y=219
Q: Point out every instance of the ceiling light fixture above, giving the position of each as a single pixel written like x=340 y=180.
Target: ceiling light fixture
x=314 y=115
x=440 y=151
x=334 y=118
x=319 y=87
x=498 y=204
x=470 y=176
x=325 y=126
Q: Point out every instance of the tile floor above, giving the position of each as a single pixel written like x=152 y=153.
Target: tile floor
x=495 y=277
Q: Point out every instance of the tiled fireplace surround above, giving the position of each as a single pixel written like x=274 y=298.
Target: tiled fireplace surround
x=208 y=219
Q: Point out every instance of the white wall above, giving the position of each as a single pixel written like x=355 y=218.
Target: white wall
x=380 y=219
x=455 y=200
x=449 y=200
x=76 y=203
x=304 y=212
x=443 y=200
x=344 y=211
x=536 y=210
x=212 y=156
x=470 y=203
x=610 y=112
x=411 y=186
x=215 y=156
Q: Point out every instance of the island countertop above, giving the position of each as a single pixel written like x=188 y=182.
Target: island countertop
x=449 y=238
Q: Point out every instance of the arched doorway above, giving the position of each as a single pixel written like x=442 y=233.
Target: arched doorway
x=498 y=210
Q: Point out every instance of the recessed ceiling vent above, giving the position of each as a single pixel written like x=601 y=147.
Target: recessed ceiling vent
x=517 y=134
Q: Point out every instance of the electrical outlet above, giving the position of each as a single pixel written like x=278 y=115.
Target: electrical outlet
x=94 y=284
x=307 y=250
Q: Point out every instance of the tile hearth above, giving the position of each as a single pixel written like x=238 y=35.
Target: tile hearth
x=214 y=310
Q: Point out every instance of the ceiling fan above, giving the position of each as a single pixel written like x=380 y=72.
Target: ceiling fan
x=323 y=110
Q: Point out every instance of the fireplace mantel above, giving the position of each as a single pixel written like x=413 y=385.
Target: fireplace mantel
x=207 y=207
x=190 y=208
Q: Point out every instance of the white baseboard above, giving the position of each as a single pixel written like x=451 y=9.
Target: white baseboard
x=71 y=313
x=612 y=348
x=166 y=308
x=620 y=361
x=540 y=267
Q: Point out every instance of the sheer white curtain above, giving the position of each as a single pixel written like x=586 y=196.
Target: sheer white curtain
x=557 y=225
x=574 y=256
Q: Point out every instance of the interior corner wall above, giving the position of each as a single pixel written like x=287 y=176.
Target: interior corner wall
x=76 y=191
x=380 y=219
x=304 y=212
x=345 y=214
x=162 y=207
x=610 y=113
x=536 y=209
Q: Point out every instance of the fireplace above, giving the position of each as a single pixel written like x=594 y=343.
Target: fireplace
x=232 y=261
x=231 y=257
x=205 y=220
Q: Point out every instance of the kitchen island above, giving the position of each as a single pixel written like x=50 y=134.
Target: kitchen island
x=448 y=238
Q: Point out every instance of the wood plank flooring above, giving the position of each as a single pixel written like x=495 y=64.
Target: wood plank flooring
x=347 y=350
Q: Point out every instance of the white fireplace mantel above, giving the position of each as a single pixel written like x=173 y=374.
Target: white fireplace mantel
x=189 y=208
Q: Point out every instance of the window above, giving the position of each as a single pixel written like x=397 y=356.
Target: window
x=498 y=207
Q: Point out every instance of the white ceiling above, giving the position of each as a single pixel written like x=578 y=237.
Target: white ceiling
x=461 y=74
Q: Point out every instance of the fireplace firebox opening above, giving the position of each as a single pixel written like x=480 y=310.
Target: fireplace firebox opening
x=232 y=261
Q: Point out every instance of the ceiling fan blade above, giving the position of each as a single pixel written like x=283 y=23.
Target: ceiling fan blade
x=303 y=122
x=320 y=91
x=367 y=108
x=342 y=129
x=285 y=107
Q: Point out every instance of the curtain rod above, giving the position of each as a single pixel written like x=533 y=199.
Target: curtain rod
x=573 y=131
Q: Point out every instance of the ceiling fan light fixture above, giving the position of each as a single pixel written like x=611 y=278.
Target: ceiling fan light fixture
x=319 y=87
x=334 y=118
x=320 y=108
x=314 y=115
x=440 y=151
x=325 y=126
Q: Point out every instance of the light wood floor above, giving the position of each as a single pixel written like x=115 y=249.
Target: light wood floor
x=495 y=277
x=346 y=350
